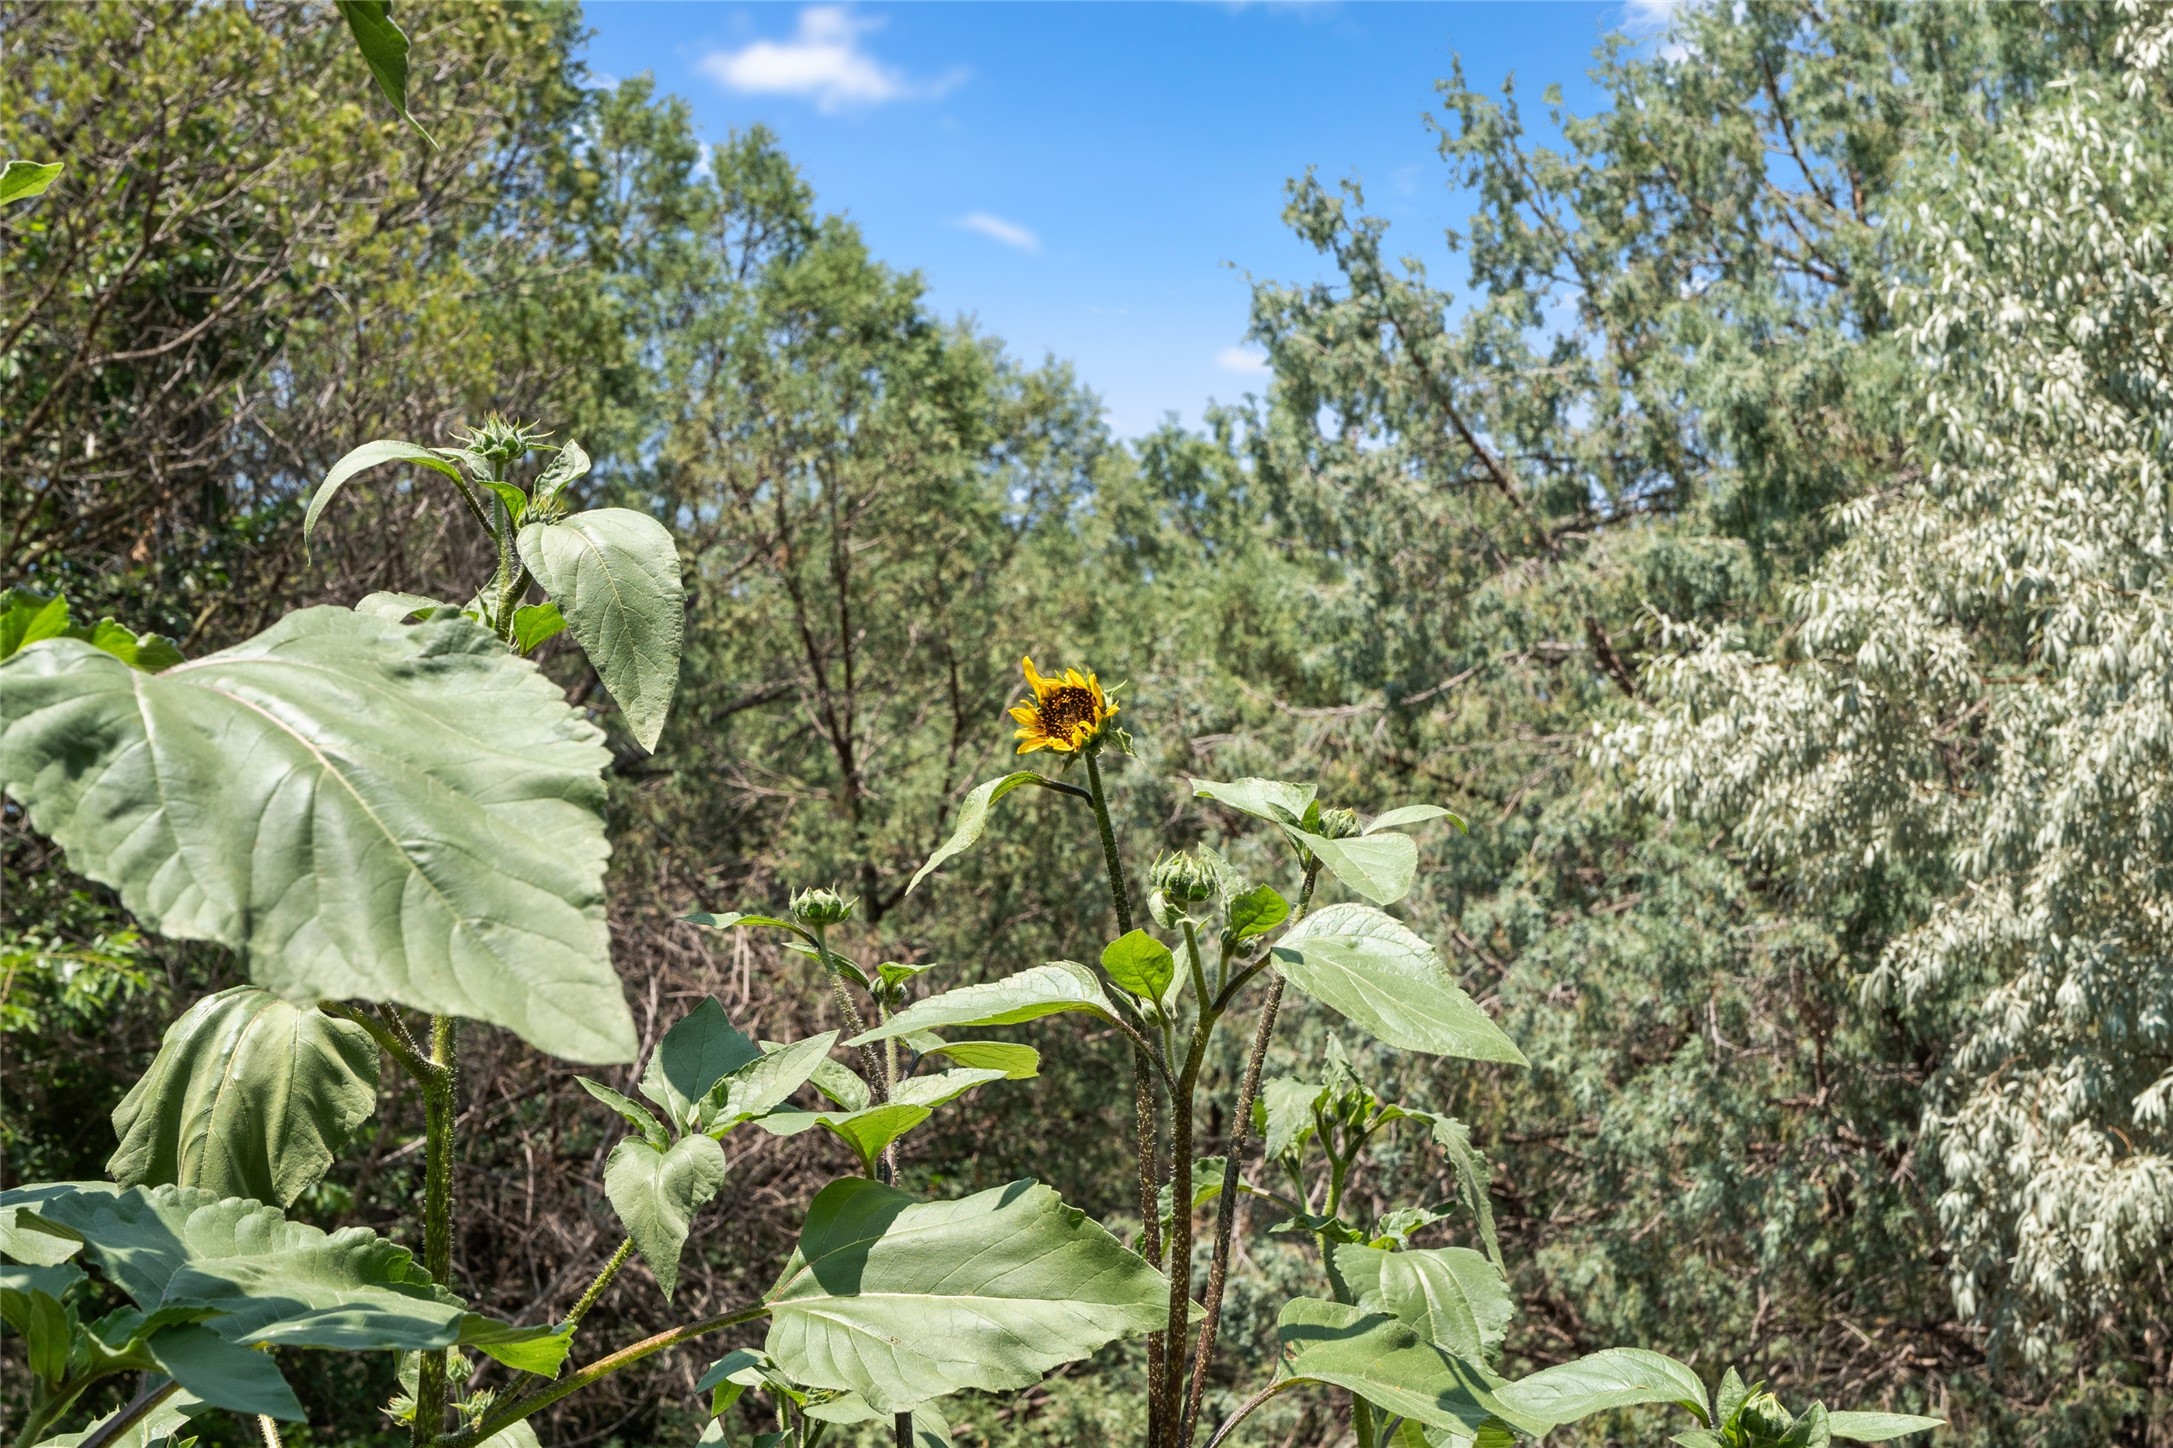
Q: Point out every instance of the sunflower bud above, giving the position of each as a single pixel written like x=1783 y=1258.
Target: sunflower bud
x=1185 y=879
x=1338 y=824
x=501 y=439
x=821 y=907
x=1764 y=1417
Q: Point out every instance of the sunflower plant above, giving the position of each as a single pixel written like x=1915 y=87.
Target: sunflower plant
x=396 y=822
x=1413 y=1334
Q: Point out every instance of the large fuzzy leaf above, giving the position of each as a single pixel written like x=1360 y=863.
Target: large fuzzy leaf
x=903 y=1301
x=614 y=573
x=656 y=1194
x=1045 y=990
x=1373 y=970
x=249 y=1096
x=1450 y=1296
x=255 y=1278
x=364 y=809
x=1617 y=1377
x=1386 y=1363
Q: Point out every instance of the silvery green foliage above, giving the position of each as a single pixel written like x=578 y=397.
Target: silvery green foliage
x=1980 y=690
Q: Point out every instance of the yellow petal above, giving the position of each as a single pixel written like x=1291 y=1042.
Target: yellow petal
x=1032 y=744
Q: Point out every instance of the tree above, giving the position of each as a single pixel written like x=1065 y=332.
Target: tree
x=1677 y=356
x=1979 y=681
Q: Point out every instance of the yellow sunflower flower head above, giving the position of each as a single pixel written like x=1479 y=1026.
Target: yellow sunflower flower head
x=1066 y=714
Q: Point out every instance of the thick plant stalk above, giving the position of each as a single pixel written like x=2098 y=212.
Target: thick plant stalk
x=1180 y=1234
x=439 y=1101
x=1150 y=1230
x=1233 y=1173
x=1218 y=1270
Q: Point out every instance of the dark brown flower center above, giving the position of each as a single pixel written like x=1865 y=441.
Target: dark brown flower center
x=1066 y=708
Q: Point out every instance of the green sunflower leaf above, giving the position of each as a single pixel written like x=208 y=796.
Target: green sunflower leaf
x=614 y=573
x=442 y=847
x=1373 y=970
x=1617 y=1377
x=972 y=820
x=903 y=1301
x=1383 y=1361
x=656 y=1194
x=1044 y=990
x=248 y=1096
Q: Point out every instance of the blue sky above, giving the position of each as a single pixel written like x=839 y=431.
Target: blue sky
x=1095 y=180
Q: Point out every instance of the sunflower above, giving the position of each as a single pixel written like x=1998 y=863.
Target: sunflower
x=1065 y=714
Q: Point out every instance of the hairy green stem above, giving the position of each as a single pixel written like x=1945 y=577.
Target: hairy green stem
x=855 y=1024
x=1233 y=1173
x=1150 y=1230
x=506 y=1415
x=1180 y=1232
x=596 y=1288
x=440 y=1100
x=270 y=1430
x=1118 y=894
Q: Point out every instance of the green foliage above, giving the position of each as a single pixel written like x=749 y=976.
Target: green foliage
x=27 y=617
x=1045 y=990
x=1451 y=1296
x=903 y=1301
x=1381 y=976
x=657 y=1192
x=212 y=1279
x=614 y=574
x=382 y=853
x=21 y=180
x=384 y=49
x=1385 y=1362
x=249 y=1096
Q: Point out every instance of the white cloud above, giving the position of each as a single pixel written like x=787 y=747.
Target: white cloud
x=824 y=62
x=1652 y=20
x=995 y=228
x=1244 y=361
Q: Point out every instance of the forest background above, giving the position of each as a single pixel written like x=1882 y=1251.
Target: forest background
x=1770 y=558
